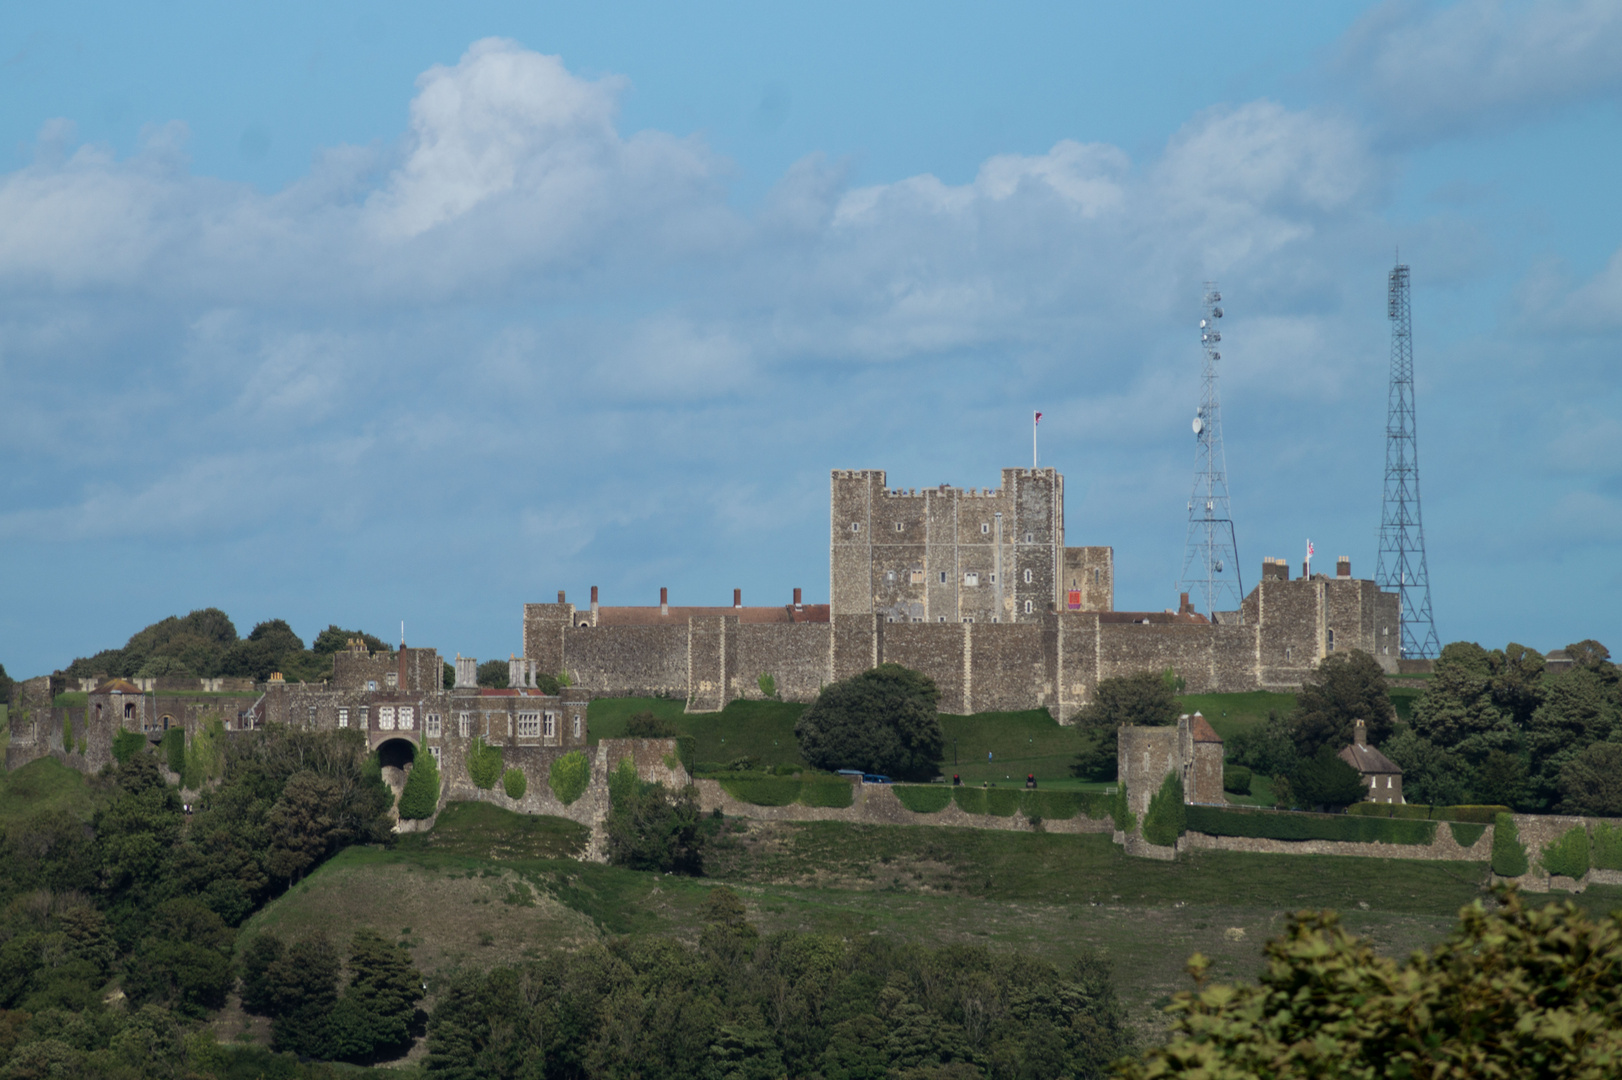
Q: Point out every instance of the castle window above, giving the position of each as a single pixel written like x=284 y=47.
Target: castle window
x=430 y=725
x=462 y=724
x=529 y=725
x=577 y=725
x=1027 y=607
x=855 y=526
x=385 y=718
x=971 y=579
x=1027 y=577
x=343 y=718
x=889 y=618
x=129 y=710
x=917 y=577
x=1030 y=538
x=994 y=579
x=371 y=684
x=364 y=710
x=899 y=526
x=889 y=575
x=391 y=678
x=995 y=619
x=943 y=577
x=407 y=718
x=941 y=619
x=1095 y=575
x=984 y=528
x=312 y=716
x=1286 y=652
x=551 y=729
x=1331 y=641
x=434 y=750
x=969 y=619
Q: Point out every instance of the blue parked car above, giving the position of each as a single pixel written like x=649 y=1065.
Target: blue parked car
x=867 y=777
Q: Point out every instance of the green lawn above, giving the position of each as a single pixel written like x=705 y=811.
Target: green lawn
x=1230 y=714
x=44 y=785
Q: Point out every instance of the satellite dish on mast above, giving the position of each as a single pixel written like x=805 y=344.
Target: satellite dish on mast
x=1199 y=425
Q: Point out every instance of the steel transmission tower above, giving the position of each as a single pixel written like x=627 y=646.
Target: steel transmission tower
x=1211 y=553
x=1401 y=568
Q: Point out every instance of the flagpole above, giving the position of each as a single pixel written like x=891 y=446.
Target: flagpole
x=1036 y=418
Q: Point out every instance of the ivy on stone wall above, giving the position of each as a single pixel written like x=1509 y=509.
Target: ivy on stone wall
x=514 y=783
x=1508 y=853
x=483 y=763
x=1607 y=849
x=174 y=750
x=1567 y=856
x=569 y=776
x=420 y=799
x=1167 y=817
x=1121 y=812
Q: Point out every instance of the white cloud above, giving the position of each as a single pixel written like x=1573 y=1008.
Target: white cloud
x=1484 y=63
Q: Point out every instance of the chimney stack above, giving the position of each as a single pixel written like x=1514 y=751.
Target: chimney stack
x=560 y=596
x=737 y=598
x=664 y=600
x=594 y=600
x=796 y=599
x=1360 y=733
x=1343 y=566
x=1183 y=606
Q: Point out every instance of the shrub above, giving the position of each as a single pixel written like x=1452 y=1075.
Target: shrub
x=1465 y=834
x=1480 y=815
x=1236 y=778
x=1216 y=821
x=1120 y=810
x=970 y=800
x=1095 y=804
x=1567 y=856
x=1052 y=805
x=420 y=799
x=126 y=744
x=687 y=750
x=1508 y=853
x=649 y=828
x=514 y=783
x=645 y=725
x=1167 y=816
x=1003 y=802
x=1607 y=847
x=883 y=721
x=174 y=750
x=483 y=763
x=569 y=776
x=832 y=793
x=623 y=782
x=767 y=684
x=762 y=791
x=923 y=798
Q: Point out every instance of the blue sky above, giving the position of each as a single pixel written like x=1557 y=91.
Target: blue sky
x=362 y=313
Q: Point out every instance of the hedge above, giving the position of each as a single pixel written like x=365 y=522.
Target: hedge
x=924 y=798
x=1607 y=853
x=971 y=800
x=1567 y=856
x=420 y=799
x=1003 y=802
x=777 y=791
x=1347 y=828
x=1465 y=833
x=483 y=763
x=1051 y=805
x=1508 y=853
x=569 y=776
x=1166 y=817
x=514 y=783
x=1236 y=778
x=1476 y=815
x=835 y=793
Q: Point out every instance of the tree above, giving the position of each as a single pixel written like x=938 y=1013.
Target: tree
x=1145 y=699
x=261 y=953
x=1345 y=687
x=6 y=683
x=302 y=988
x=1429 y=773
x=1325 y=780
x=447 y=681
x=882 y=721
x=493 y=673
x=650 y=828
x=1591 y=782
x=303 y=823
x=335 y=639
x=645 y=725
x=1579 y=707
x=183 y=962
x=420 y=798
x=1458 y=712
x=377 y=1015
x=1267 y=749
x=1506 y=995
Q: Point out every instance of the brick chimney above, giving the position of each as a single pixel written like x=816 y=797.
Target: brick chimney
x=796 y=599
x=1343 y=566
x=560 y=596
x=664 y=600
x=594 y=600
x=1360 y=733
x=1183 y=606
x=737 y=598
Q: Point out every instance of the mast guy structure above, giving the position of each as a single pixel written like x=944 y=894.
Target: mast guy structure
x=1211 y=552
x=1401 y=568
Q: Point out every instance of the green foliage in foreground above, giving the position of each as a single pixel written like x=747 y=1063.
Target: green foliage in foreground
x=514 y=783
x=569 y=776
x=421 y=795
x=1508 y=853
x=484 y=764
x=1167 y=817
x=1567 y=856
x=1215 y=821
x=1514 y=993
x=741 y=1005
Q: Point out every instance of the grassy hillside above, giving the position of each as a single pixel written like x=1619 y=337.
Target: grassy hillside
x=486 y=885
x=47 y=786
x=1230 y=714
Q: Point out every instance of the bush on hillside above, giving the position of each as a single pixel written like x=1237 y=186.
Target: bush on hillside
x=420 y=799
x=514 y=783
x=1236 y=779
x=1591 y=782
x=1508 y=853
x=1465 y=834
x=650 y=828
x=569 y=776
x=1121 y=811
x=881 y=721
x=1567 y=856
x=484 y=764
x=1166 y=817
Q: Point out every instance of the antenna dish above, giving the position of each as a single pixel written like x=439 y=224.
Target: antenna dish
x=1199 y=425
x=1202 y=324
x=1216 y=312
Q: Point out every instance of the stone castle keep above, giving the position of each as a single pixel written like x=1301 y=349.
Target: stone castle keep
x=975 y=588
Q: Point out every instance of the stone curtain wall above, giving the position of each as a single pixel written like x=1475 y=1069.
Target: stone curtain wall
x=799 y=656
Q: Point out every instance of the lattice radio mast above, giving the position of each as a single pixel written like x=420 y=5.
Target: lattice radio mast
x=1211 y=553
x=1401 y=567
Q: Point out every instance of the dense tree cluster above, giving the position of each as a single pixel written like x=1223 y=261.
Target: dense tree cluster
x=205 y=644
x=1498 y=728
x=1511 y=993
x=881 y=721
x=650 y=827
x=739 y=1005
x=1145 y=699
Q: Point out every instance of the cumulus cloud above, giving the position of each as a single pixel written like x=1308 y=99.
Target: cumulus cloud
x=1483 y=63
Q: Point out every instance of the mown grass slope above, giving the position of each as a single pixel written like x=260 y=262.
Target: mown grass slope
x=45 y=785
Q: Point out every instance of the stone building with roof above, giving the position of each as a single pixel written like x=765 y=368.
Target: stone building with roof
x=1381 y=776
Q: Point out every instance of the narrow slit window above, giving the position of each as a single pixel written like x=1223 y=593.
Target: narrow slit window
x=1027 y=607
x=1027 y=577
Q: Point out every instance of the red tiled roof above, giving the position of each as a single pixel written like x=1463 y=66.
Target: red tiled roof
x=1154 y=618
x=1203 y=731
x=118 y=686
x=678 y=616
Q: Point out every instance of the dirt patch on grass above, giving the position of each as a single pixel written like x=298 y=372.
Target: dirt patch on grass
x=448 y=917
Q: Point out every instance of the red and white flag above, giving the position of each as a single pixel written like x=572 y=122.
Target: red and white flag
x=1309 y=549
x=1037 y=420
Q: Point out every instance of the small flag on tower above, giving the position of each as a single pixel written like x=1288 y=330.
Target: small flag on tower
x=1038 y=419
x=1309 y=549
